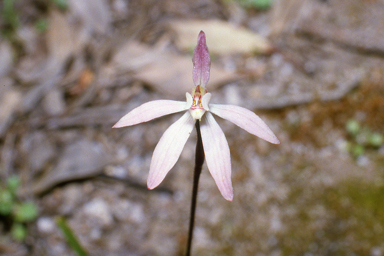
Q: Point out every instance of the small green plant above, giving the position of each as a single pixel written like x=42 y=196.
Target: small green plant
x=61 y=4
x=10 y=19
x=257 y=4
x=41 y=25
x=70 y=237
x=361 y=138
x=16 y=214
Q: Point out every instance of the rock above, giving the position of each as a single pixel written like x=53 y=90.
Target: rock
x=127 y=211
x=39 y=150
x=116 y=171
x=46 y=225
x=99 y=210
x=73 y=195
x=201 y=238
x=232 y=95
x=376 y=251
x=120 y=8
x=81 y=159
x=54 y=103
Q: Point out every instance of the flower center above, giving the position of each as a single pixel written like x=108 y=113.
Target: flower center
x=197 y=110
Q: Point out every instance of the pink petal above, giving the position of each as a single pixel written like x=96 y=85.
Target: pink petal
x=169 y=149
x=245 y=119
x=151 y=110
x=201 y=62
x=217 y=154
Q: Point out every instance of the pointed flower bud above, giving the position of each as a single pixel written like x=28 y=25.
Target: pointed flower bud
x=201 y=62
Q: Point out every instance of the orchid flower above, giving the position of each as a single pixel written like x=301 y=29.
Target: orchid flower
x=197 y=107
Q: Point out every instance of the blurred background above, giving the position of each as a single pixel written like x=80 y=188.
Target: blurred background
x=313 y=70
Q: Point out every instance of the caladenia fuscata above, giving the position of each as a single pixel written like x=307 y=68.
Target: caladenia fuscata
x=212 y=145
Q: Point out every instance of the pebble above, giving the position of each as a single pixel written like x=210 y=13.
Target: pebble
x=46 y=225
x=39 y=150
x=116 y=171
x=286 y=71
x=363 y=161
x=232 y=95
x=79 y=160
x=72 y=197
x=201 y=238
x=99 y=209
x=53 y=102
x=376 y=251
x=120 y=7
x=127 y=211
x=121 y=154
x=95 y=234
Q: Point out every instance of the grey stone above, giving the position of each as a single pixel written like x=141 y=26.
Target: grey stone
x=38 y=149
x=46 y=224
x=54 y=103
x=80 y=160
x=100 y=210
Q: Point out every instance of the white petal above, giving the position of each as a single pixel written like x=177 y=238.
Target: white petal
x=189 y=100
x=169 y=149
x=245 y=119
x=151 y=110
x=217 y=155
x=205 y=101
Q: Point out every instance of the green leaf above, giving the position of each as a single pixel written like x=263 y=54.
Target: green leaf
x=70 y=237
x=352 y=127
x=258 y=4
x=41 y=25
x=348 y=146
x=18 y=231
x=62 y=4
x=375 y=139
x=6 y=202
x=358 y=150
x=13 y=183
x=26 y=212
x=9 y=13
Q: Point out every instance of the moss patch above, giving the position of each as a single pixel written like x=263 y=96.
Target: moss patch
x=345 y=220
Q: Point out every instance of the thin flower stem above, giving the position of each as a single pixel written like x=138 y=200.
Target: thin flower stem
x=199 y=160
